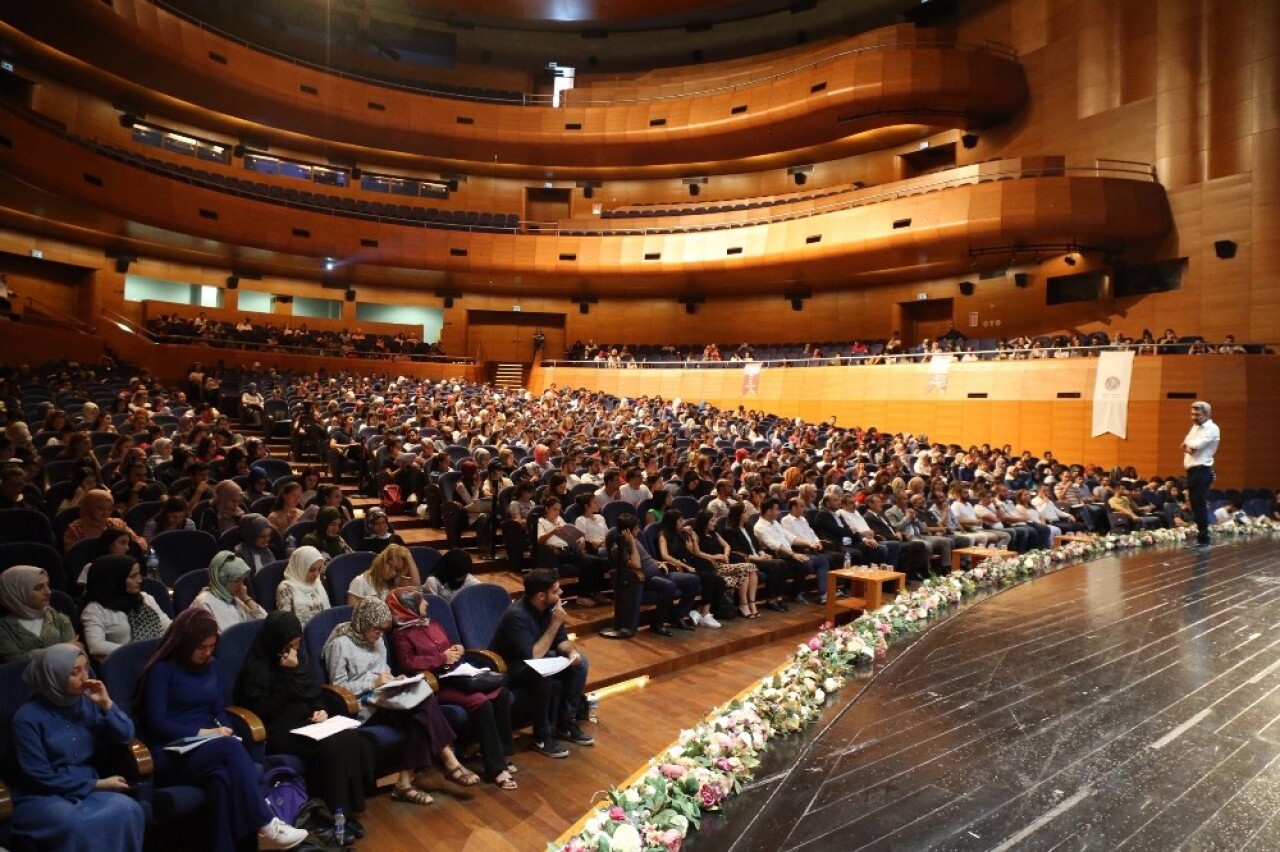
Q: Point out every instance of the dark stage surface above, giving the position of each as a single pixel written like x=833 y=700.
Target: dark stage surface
x=1126 y=703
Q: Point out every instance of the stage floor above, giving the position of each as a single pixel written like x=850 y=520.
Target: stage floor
x=1125 y=703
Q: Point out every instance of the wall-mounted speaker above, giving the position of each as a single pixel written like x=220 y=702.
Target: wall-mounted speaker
x=350 y=295
x=584 y=308
x=1225 y=249
x=233 y=282
x=1022 y=279
x=966 y=288
x=122 y=264
x=448 y=302
x=797 y=304
x=588 y=192
x=969 y=140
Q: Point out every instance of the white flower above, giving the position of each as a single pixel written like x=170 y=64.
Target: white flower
x=626 y=838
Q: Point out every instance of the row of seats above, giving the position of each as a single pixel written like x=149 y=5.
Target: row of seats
x=728 y=206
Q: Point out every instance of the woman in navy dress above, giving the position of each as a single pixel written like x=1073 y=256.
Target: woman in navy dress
x=179 y=696
x=61 y=802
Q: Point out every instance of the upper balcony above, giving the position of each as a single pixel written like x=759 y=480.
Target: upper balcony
x=795 y=101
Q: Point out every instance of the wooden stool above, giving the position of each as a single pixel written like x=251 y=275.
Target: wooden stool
x=981 y=552
x=870 y=594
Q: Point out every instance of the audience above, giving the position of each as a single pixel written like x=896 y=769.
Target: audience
x=227 y=597
x=115 y=609
x=28 y=622
x=301 y=592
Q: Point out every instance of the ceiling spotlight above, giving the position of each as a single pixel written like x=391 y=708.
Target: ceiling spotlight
x=1069 y=259
x=329 y=264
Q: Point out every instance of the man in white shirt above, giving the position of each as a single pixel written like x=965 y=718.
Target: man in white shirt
x=1198 y=449
x=611 y=489
x=634 y=491
x=775 y=538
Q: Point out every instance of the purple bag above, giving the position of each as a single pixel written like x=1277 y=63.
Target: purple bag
x=285 y=792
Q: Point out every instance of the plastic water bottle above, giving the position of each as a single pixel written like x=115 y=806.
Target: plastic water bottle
x=290 y=545
x=848 y=561
x=153 y=563
x=593 y=708
x=339 y=827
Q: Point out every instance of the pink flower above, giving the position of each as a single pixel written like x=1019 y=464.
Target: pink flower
x=815 y=644
x=672 y=771
x=617 y=814
x=672 y=840
x=709 y=795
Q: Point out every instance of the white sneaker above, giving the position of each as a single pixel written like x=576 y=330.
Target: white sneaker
x=279 y=835
x=696 y=617
x=709 y=620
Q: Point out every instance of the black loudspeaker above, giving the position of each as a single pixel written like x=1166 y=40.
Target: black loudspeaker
x=584 y=308
x=797 y=304
x=453 y=186
x=966 y=288
x=233 y=282
x=1225 y=249
x=1022 y=279
x=355 y=173
x=448 y=301
x=690 y=307
x=122 y=265
x=351 y=295
x=694 y=189
x=237 y=151
x=588 y=192
x=969 y=140
x=801 y=178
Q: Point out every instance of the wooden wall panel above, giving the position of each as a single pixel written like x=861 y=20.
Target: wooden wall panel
x=1022 y=410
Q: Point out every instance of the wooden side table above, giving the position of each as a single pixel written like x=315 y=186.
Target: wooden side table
x=1066 y=537
x=980 y=552
x=868 y=588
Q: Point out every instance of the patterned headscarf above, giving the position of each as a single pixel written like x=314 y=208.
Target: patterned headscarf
x=403 y=603
x=50 y=669
x=16 y=584
x=366 y=614
x=225 y=569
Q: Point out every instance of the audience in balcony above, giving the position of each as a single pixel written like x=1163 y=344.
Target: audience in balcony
x=172 y=328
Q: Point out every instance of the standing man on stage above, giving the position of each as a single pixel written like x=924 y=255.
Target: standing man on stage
x=1198 y=449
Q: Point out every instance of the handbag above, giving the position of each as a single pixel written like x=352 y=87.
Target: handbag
x=399 y=698
x=486 y=681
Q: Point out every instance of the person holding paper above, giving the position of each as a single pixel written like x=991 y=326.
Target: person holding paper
x=279 y=683
x=355 y=658
x=421 y=644
x=179 y=696
x=60 y=802
x=564 y=544
x=533 y=628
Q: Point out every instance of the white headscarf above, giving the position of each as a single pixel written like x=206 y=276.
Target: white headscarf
x=295 y=574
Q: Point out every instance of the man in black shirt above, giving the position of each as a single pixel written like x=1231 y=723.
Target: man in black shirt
x=532 y=628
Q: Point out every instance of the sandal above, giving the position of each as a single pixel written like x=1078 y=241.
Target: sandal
x=462 y=776
x=512 y=769
x=744 y=610
x=504 y=781
x=411 y=795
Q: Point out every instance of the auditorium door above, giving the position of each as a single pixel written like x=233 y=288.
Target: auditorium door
x=507 y=336
x=928 y=319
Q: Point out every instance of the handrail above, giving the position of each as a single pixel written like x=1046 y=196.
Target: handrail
x=75 y=323
x=535 y=99
x=984 y=355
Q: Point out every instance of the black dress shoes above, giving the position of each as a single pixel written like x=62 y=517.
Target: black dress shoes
x=661 y=629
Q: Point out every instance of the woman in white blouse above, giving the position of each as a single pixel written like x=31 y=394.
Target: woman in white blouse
x=116 y=609
x=393 y=567
x=302 y=593
x=226 y=597
x=592 y=523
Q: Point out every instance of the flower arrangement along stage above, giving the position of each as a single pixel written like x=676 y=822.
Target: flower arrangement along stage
x=660 y=805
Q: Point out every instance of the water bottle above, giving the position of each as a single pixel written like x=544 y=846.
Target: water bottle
x=339 y=827
x=153 y=563
x=290 y=545
x=593 y=708
x=848 y=561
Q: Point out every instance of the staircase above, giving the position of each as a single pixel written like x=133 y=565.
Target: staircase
x=509 y=376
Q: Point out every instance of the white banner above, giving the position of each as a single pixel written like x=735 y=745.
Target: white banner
x=939 y=370
x=751 y=378
x=1111 y=393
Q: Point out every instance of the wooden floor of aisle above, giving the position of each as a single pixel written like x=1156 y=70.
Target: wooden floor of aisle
x=633 y=726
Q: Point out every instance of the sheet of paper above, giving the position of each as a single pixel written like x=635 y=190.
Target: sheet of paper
x=464 y=670
x=548 y=666
x=187 y=744
x=398 y=684
x=327 y=728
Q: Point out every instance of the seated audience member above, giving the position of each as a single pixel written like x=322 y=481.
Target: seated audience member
x=378 y=534
x=287 y=510
x=1227 y=512
x=95 y=517
x=533 y=628
x=676 y=591
x=226 y=508
x=279 y=683
x=355 y=657
x=393 y=567
x=589 y=568
x=115 y=609
x=775 y=539
x=327 y=535
x=1051 y=514
x=595 y=530
x=301 y=592
x=60 y=801
x=914 y=558
x=180 y=695
x=778 y=573
x=739 y=576
x=1122 y=505
x=451 y=575
x=28 y=622
x=676 y=550
x=1036 y=534
x=255 y=542
x=476 y=511
x=1019 y=540
x=171 y=516
x=422 y=645
x=16 y=492
x=227 y=596
x=112 y=542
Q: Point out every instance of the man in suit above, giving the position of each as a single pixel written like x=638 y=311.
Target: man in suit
x=908 y=520
x=915 y=554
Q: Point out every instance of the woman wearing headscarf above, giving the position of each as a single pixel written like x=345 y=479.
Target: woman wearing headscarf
x=180 y=695
x=280 y=684
x=421 y=644
x=255 y=542
x=301 y=592
x=355 y=658
x=227 y=596
x=116 y=610
x=28 y=623
x=378 y=534
x=60 y=801
x=327 y=535
x=225 y=508
x=451 y=574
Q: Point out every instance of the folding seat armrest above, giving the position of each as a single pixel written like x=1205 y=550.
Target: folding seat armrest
x=485 y=657
x=140 y=756
x=6 y=801
x=246 y=722
x=340 y=700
